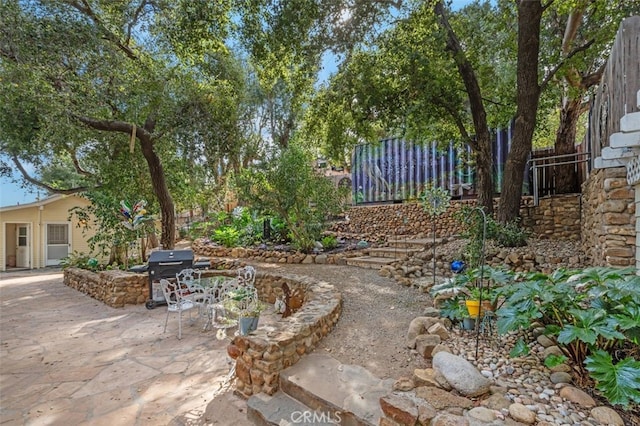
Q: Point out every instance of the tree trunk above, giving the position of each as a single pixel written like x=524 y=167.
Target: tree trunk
x=527 y=98
x=566 y=176
x=158 y=181
x=482 y=146
x=161 y=190
x=484 y=169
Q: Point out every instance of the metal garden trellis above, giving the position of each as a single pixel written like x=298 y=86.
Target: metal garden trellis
x=435 y=201
x=484 y=237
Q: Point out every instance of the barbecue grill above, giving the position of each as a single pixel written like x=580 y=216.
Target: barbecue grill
x=165 y=264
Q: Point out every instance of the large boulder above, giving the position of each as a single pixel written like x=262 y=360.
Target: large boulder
x=461 y=374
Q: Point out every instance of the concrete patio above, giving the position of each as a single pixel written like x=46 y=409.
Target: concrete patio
x=67 y=359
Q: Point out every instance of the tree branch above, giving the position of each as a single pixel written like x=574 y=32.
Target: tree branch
x=593 y=78
x=85 y=9
x=114 y=126
x=559 y=65
x=76 y=163
x=49 y=188
x=134 y=20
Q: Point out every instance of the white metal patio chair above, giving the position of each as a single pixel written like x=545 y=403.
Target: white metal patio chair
x=190 y=282
x=246 y=276
x=176 y=303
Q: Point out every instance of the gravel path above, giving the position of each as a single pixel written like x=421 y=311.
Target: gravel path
x=375 y=317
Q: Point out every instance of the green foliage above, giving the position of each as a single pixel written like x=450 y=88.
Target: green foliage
x=102 y=220
x=291 y=189
x=453 y=309
x=329 y=242
x=81 y=260
x=228 y=236
x=519 y=349
x=466 y=286
x=594 y=314
x=554 y=360
x=618 y=382
x=510 y=234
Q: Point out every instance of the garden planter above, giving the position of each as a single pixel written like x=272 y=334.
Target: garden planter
x=468 y=323
x=247 y=324
x=473 y=306
x=487 y=306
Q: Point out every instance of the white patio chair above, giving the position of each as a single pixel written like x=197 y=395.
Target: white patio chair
x=246 y=276
x=189 y=281
x=176 y=303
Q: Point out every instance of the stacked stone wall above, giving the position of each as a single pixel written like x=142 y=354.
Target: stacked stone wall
x=262 y=355
x=113 y=288
x=608 y=218
x=557 y=217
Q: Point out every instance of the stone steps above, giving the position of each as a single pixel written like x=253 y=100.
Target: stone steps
x=413 y=243
x=396 y=249
x=392 y=252
x=325 y=391
x=282 y=410
x=370 y=262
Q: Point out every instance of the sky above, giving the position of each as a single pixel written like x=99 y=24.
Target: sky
x=11 y=193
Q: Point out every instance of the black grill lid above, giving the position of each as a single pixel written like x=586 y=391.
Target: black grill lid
x=171 y=256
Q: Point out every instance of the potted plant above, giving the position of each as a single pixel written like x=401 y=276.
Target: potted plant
x=457 y=312
x=475 y=285
x=245 y=305
x=484 y=297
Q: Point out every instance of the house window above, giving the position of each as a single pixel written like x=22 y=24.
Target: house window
x=58 y=234
x=22 y=236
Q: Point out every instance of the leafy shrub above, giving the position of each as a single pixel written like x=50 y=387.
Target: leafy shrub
x=329 y=242
x=228 y=236
x=510 y=234
x=81 y=260
x=593 y=314
x=291 y=189
x=278 y=229
x=507 y=235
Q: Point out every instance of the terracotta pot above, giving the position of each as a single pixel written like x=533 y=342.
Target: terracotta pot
x=487 y=306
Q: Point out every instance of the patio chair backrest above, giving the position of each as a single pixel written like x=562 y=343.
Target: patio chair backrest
x=247 y=276
x=174 y=296
x=191 y=279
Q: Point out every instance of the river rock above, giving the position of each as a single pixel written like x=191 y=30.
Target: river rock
x=560 y=377
x=578 y=396
x=607 y=416
x=461 y=374
x=522 y=414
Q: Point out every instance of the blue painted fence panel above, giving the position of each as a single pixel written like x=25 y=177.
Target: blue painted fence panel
x=394 y=170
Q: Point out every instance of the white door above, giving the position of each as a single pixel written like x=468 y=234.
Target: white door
x=22 y=247
x=57 y=242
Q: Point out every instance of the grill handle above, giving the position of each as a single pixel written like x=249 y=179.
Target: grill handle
x=169 y=263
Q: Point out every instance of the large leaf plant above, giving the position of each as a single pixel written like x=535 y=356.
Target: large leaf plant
x=594 y=316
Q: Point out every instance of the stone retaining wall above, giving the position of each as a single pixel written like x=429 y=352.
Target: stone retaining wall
x=268 y=256
x=261 y=355
x=114 y=288
x=608 y=223
x=557 y=217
